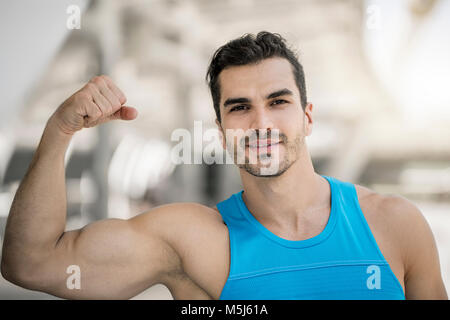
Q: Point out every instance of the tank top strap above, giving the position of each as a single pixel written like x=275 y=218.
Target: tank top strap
x=354 y=221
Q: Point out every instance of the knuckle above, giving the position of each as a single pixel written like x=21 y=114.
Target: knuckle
x=83 y=95
x=97 y=80
x=105 y=77
x=90 y=86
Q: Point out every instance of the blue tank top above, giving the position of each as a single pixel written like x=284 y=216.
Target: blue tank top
x=342 y=262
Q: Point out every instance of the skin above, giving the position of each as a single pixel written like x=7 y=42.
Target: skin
x=185 y=246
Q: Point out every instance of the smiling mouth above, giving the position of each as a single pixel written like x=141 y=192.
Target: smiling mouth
x=262 y=144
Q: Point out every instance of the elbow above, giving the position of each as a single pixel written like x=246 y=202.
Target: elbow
x=18 y=277
x=10 y=273
x=26 y=268
x=7 y=267
x=6 y=270
x=16 y=274
x=4 y=266
x=3 y=270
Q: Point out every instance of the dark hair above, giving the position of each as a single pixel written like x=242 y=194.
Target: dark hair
x=250 y=49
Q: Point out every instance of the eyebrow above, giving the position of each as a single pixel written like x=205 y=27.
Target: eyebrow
x=231 y=101
x=279 y=93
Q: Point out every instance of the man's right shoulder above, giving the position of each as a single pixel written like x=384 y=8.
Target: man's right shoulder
x=190 y=230
x=183 y=210
x=173 y=219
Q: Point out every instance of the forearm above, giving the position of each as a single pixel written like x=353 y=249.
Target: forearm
x=38 y=213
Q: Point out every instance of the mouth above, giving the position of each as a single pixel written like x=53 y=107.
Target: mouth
x=259 y=144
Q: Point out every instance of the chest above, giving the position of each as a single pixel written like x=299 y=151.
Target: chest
x=206 y=264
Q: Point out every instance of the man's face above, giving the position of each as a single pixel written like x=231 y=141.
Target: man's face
x=260 y=106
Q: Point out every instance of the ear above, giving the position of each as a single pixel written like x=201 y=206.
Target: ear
x=221 y=133
x=308 y=119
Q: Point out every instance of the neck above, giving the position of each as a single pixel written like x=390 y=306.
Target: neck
x=287 y=199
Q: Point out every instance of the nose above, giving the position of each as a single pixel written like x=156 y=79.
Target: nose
x=261 y=119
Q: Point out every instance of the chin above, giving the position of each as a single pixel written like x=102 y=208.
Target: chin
x=257 y=171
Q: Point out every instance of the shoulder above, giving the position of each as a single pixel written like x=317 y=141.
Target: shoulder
x=398 y=220
x=404 y=233
x=171 y=219
x=181 y=227
x=394 y=209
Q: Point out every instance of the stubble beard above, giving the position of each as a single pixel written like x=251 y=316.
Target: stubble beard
x=292 y=154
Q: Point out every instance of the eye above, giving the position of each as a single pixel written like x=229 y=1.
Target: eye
x=279 y=101
x=238 y=108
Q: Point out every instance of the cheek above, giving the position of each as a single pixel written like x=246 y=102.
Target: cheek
x=292 y=124
x=227 y=141
x=231 y=123
x=239 y=121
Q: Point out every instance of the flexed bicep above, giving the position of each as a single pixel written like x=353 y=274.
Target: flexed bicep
x=108 y=259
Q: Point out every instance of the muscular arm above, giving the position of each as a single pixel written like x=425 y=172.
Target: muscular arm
x=419 y=252
x=117 y=258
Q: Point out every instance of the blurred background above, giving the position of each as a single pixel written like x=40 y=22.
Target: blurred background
x=377 y=73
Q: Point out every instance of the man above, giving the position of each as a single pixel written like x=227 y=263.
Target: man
x=290 y=234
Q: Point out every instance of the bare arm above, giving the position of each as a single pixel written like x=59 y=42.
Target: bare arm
x=117 y=258
x=420 y=255
x=423 y=278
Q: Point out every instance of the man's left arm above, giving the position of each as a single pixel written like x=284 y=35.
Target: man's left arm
x=420 y=256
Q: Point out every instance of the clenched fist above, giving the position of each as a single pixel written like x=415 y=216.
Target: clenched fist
x=100 y=100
